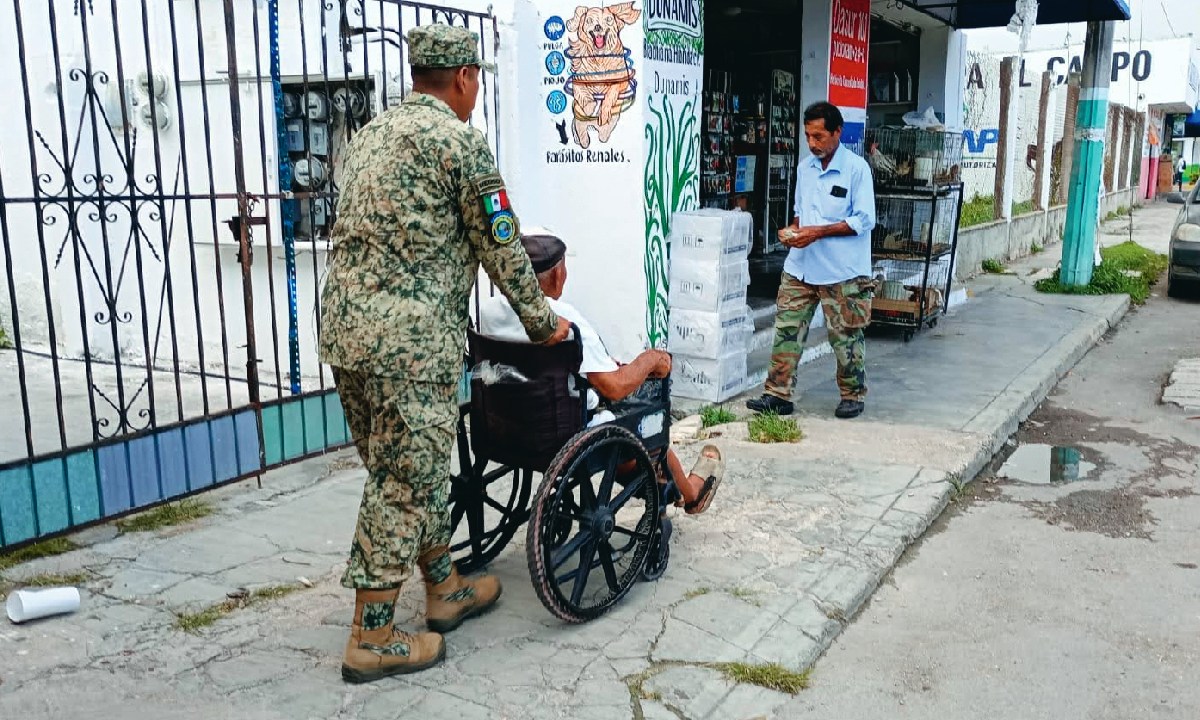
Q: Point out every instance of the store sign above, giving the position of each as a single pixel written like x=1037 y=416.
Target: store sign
x=978 y=142
x=1137 y=66
x=849 y=44
x=681 y=16
x=1156 y=71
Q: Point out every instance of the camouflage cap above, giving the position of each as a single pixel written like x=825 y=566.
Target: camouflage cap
x=444 y=46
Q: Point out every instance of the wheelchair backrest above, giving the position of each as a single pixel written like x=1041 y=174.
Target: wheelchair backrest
x=525 y=424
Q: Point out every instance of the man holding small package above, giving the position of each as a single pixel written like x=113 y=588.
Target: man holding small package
x=829 y=265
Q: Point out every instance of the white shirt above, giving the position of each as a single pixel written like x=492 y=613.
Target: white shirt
x=1182 y=165
x=497 y=320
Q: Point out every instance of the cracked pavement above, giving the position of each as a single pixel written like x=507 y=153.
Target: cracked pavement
x=797 y=540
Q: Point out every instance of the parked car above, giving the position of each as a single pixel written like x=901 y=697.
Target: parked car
x=1184 y=271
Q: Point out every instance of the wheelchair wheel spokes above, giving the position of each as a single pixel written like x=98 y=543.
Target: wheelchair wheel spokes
x=487 y=506
x=587 y=544
x=604 y=492
x=562 y=554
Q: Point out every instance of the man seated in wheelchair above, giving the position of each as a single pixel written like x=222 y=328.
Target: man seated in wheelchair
x=613 y=381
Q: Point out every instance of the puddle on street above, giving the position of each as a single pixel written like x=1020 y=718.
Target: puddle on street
x=1045 y=465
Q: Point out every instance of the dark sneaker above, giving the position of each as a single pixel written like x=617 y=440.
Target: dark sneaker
x=850 y=409
x=771 y=404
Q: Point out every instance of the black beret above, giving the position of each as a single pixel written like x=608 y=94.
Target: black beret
x=545 y=250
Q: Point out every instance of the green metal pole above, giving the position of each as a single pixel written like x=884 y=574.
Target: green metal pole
x=1079 y=241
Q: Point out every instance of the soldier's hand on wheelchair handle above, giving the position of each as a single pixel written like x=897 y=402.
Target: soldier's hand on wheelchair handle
x=560 y=333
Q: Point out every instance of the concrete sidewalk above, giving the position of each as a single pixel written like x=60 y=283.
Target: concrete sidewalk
x=797 y=540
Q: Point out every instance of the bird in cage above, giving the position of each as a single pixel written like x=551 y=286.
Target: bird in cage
x=881 y=163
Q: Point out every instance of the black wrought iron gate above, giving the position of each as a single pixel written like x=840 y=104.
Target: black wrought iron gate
x=168 y=180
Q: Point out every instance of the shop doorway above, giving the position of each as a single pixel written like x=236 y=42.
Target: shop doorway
x=752 y=131
x=893 y=67
x=751 y=128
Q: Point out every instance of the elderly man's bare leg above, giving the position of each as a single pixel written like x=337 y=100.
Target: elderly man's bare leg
x=697 y=488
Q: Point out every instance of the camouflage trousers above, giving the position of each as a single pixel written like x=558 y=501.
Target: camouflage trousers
x=847 y=309
x=404 y=433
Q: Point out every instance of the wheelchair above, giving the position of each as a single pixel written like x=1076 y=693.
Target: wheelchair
x=596 y=522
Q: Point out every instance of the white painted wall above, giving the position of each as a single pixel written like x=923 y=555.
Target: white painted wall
x=814 y=48
x=943 y=56
x=593 y=203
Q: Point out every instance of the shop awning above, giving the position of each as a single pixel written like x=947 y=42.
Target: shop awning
x=965 y=14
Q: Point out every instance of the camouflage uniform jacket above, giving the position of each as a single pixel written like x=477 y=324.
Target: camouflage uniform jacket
x=415 y=219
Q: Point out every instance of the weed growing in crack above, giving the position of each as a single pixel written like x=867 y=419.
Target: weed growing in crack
x=716 y=415
x=771 y=428
x=46 y=548
x=638 y=692
x=167 y=515
x=273 y=592
x=54 y=580
x=833 y=612
x=193 y=622
x=746 y=595
x=690 y=594
x=958 y=488
x=772 y=676
x=43 y=580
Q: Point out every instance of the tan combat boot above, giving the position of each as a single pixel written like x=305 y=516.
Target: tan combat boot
x=449 y=597
x=376 y=649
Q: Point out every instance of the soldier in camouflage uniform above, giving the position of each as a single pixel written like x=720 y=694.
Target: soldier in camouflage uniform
x=421 y=207
x=829 y=265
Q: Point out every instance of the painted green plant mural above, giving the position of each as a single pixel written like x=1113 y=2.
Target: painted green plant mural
x=672 y=184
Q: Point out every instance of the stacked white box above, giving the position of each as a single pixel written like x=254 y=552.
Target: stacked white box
x=698 y=285
x=714 y=380
x=709 y=335
x=716 y=236
x=709 y=324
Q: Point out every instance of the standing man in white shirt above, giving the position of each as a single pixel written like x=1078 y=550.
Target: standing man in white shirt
x=829 y=265
x=1180 y=169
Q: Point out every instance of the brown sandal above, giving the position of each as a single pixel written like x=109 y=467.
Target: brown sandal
x=712 y=470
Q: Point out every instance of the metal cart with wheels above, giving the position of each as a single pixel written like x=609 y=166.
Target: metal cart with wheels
x=918 y=203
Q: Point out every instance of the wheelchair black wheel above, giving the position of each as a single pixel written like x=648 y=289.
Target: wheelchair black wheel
x=560 y=529
x=492 y=503
x=660 y=552
x=611 y=524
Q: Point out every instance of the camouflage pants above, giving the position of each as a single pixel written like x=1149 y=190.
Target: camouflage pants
x=847 y=311
x=404 y=432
